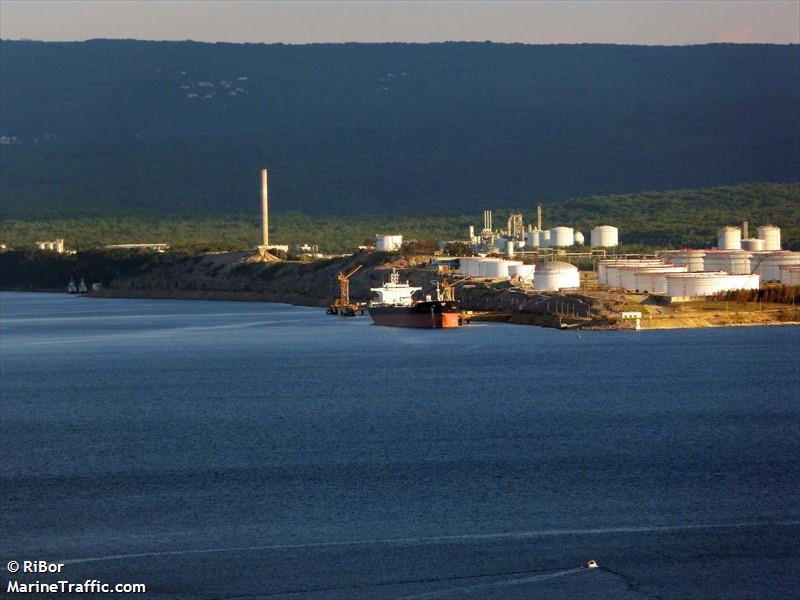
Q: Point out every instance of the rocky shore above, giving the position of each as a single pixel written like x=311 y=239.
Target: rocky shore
x=245 y=277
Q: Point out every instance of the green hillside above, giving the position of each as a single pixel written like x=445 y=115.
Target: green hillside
x=125 y=128
x=673 y=218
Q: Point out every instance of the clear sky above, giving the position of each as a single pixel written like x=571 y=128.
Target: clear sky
x=544 y=22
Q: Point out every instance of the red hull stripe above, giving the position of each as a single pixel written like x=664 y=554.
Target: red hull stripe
x=424 y=320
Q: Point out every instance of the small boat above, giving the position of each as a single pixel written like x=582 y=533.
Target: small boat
x=82 y=289
x=592 y=564
x=71 y=287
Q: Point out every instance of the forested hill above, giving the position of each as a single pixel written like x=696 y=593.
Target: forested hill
x=108 y=128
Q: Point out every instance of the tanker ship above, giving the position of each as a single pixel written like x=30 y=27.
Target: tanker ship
x=395 y=306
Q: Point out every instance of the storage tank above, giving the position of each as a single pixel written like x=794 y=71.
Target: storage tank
x=522 y=272
x=556 y=275
x=753 y=245
x=733 y=262
x=604 y=236
x=769 y=265
x=544 y=238
x=654 y=280
x=613 y=279
x=388 y=243
x=532 y=239
x=579 y=239
x=561 y=237
x=468 y=265
x=493 y=268
x=729 y=238
x=771 y=236
x=790 y=275
x=691 y=258
x=685 y=286
x=510 y=248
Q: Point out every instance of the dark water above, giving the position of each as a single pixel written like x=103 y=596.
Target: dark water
x=236 y=450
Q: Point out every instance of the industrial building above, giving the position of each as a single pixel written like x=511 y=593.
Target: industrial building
x=56 y=245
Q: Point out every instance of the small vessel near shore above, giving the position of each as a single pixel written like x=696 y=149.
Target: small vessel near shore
x=396 y=307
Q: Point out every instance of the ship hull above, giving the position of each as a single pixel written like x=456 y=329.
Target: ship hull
x=426 y=315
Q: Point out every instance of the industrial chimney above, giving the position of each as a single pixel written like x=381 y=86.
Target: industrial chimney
x=264 y=210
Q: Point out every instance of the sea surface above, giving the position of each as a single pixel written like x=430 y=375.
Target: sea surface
x=245 y=450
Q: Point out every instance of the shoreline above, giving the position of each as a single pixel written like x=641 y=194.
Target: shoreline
x=747 y=319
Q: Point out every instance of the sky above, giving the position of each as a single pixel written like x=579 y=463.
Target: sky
x=651 y=22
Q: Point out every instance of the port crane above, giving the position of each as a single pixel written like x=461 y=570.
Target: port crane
x=342 y=305
x=446 y=293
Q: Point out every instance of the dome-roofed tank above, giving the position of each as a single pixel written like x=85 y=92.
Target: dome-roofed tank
x=604 y=236
x=729 y=238
x=579 y=239
x=771 y=236
x=561 y=237
x=555 y=275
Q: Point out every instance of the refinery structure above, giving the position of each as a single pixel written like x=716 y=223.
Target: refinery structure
x=539 y=258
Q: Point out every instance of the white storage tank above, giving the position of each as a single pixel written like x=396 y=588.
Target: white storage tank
x=556 y=275
x=790 y=275
x=388 y=243
x=532 y=239
x=691 y=258
x=561 y=237
x=493 y=268
x=685 y=286
x=733 y=262
x=604 y=236
x=544 y=238
x=769 y=265
x=510 y=248
x=613 y=278
x=579 y=239
x=753 y=245
x=522 y=272
x=729 y=238
x=468 y=265
x=771 y=236
x=654 y=280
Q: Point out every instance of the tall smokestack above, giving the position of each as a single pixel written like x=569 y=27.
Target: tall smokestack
x=539 y=217
x=264 y=209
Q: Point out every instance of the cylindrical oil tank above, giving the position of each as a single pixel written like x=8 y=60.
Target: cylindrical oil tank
x=388 y=243
x=753 y=245
x=691 y=258
x=510 y=248
x=769 y=265
x=654 y=280
x=532 y=239
x=694 y=285
x=579 y=239
x=613 y=280
x=544 y=238
x=522 y=272
x=468 y=265
x=556 y=275
x=729 y=238
x=561 y=237
x=733 y=262
x=493 y=268
x=790 y=275
x=604 y=236
x=500 y=243
x=771 y=236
